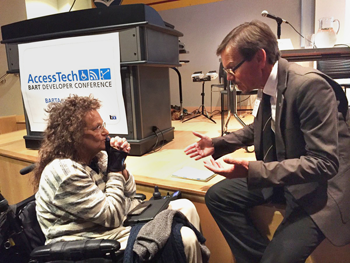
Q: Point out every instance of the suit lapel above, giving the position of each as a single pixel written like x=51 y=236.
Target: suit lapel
x=281 y=87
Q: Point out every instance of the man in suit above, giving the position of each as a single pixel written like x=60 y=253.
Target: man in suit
x=302 y=153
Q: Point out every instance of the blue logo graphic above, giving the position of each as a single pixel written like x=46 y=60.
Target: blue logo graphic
x=94 y=74
x=105 y=73
x=112 y=117
x=83 y=75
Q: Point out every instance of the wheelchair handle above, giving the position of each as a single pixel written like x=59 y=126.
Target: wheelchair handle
x=27 y=169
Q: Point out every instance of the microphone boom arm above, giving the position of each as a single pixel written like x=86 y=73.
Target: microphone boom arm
x=279 y=29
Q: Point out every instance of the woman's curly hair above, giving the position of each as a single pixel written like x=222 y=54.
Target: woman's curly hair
x=64 y=132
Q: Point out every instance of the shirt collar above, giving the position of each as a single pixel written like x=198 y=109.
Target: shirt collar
x=271 y=83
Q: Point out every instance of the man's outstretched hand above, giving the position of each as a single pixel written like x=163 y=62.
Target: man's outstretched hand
x=235 y=168
x=203 y=148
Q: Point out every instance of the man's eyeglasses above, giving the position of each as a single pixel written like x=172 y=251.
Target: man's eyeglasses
x=232 y=70
x=100 y=127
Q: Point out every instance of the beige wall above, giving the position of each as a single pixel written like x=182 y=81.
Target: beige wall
x=204 y=25
x=10 y=94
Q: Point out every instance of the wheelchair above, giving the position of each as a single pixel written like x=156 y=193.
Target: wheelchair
x=21 y=238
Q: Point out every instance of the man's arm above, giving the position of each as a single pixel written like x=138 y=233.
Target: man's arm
x=315 y=110
x=233 y=141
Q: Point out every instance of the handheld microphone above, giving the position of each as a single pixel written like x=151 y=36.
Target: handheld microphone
x=278 y=19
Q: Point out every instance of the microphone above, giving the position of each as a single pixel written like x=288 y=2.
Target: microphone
x=278 y=19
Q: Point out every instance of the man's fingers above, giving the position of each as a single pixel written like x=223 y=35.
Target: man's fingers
x=220 y=165
x=193 y=154
x=190 y=149
x=213 y=162
x=209 y=166
x=199 y=135
x=238 y=162
x=212 y=165
x=231 y=160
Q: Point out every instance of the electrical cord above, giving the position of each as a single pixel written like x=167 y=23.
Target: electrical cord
x=156 y=147
x=346 y=45
x=214 y=112
x=240 y=101
x=72 y=6
x=299 y=33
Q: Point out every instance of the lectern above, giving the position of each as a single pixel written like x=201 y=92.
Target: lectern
x=148 y=48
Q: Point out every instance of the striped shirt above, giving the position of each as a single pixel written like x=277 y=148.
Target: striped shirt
x=75 y=202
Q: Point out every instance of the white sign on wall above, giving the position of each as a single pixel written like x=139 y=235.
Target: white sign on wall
x=52 y=70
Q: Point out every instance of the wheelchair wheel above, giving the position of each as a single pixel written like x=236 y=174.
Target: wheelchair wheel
x=13 y=254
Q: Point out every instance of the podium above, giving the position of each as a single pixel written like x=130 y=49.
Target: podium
x=148 y=48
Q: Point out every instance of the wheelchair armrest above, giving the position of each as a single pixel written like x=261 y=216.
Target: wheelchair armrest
x=76 y=250
x=140 y=196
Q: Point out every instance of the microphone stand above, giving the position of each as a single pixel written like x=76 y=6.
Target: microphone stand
x=279 y=29
x=279 y=22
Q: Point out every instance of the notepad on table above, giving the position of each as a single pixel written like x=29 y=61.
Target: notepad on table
x=194 y=174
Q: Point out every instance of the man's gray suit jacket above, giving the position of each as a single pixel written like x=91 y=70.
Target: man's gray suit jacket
x=313 y=148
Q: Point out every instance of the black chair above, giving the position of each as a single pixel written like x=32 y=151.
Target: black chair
x=339 y=70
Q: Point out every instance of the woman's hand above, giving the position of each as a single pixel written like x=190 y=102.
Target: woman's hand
x=120 y=144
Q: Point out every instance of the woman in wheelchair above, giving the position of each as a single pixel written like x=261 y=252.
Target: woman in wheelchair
x=84 y=190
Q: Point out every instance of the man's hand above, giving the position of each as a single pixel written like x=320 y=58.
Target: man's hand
x=198 y=150
x=235 y=168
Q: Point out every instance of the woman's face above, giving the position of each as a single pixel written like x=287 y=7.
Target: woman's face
x=94 y=136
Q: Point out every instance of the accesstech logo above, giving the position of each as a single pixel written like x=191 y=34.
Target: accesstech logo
x=84 y=78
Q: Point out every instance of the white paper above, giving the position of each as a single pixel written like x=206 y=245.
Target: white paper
x=193 y=173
